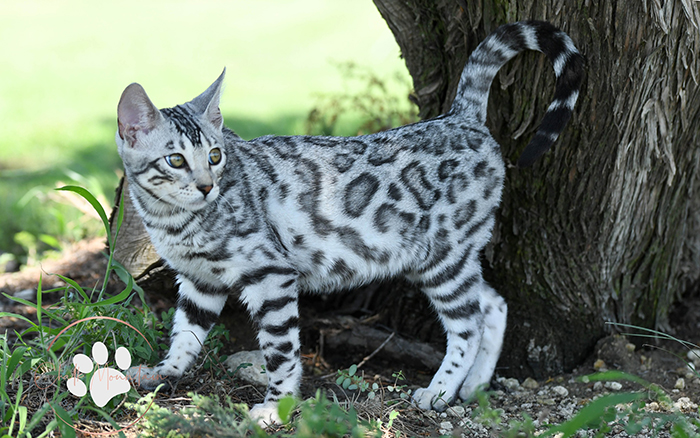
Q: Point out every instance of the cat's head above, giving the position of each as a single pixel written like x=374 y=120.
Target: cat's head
x=175 y=156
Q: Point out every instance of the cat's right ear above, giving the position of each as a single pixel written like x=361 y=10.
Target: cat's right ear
x=136 y=113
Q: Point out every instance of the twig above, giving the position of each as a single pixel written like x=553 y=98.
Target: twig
x=386 y=341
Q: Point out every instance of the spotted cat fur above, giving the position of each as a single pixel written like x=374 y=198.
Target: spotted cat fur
x=269 y=218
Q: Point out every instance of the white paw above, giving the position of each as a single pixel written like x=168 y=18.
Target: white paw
x=426 y=399
x=469 y=389
x=265 y=414
x=147 y=378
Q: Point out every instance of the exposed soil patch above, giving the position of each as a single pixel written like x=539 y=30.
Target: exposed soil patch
x=333 y=342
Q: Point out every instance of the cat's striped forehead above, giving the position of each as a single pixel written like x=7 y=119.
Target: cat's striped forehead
x=187 y=124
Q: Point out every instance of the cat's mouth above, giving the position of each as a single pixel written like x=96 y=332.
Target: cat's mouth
x=200 y=200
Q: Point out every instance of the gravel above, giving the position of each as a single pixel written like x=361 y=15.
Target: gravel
x=558 y=399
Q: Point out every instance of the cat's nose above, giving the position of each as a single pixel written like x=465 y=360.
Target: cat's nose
x=205 y=189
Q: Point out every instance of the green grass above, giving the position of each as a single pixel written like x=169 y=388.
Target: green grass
x=66 y=63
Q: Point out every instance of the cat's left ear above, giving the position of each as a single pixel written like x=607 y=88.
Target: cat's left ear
x=207 y=103
x=136 y=113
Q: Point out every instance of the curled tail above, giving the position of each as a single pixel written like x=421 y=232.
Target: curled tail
x=501 y=46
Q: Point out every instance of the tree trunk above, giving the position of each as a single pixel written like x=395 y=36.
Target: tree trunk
x=604 y=227
x=133 y=248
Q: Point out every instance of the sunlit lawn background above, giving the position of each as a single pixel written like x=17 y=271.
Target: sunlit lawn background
x=64 y=64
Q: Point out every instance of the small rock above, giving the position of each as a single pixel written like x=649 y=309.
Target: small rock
x=614 y=352
x=613 y=386
x=253 y=374
x=684 y=404
x=680 y=384
x=446 y=425
x=599 y=365
x=694 y=356
x=8 y=263
x=27 y=294
x=511 y=384
x=456 y=411
x=530 y=383
x=630 y=347
x=598 y=386
x=560 y=391
x=546 y=401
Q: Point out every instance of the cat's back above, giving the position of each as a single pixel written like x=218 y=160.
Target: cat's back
x=435 y=150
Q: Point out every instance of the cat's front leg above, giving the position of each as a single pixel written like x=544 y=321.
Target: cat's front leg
x=197 y=311
x=272 y=300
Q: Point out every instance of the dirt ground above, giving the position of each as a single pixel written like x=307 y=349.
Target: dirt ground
x=546 y=402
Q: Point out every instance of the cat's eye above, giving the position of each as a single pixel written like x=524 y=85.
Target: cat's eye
x=215 y=156
x=175 y=160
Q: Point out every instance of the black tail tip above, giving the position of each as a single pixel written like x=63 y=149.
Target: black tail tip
x=524 y=161
x=534 y=150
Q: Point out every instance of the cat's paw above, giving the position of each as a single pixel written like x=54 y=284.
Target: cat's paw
x=266 y=414
x=426 y=399
x=466 y=393
x=149 y=378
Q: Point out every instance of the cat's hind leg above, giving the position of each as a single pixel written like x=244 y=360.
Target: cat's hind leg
x=495 y=311
x=454 y=286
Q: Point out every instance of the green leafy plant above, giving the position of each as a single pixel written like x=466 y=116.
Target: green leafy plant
x=210 y=416
x=207 y=416
x=350 y=380
x=321 y=417
x=50 y=343
x=375 y=108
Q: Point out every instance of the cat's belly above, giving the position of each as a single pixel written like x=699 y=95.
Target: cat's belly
x=334 y=267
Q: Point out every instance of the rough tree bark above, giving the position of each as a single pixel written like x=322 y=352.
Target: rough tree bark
x=605 y=227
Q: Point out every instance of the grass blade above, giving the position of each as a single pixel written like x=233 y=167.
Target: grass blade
x=14 y=315
x=75 y=286
x=95 y=204
x=117 y=298
x=15 y=358
x=593 y=412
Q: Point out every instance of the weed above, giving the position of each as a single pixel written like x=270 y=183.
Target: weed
x=376 y=107
x=209 y=416
x=47 y=350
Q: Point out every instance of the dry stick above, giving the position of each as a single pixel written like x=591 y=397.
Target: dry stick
x=386 y=341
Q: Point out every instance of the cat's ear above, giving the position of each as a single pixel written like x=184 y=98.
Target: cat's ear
x=207 y=103
x=136 y=113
